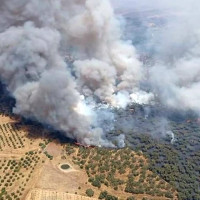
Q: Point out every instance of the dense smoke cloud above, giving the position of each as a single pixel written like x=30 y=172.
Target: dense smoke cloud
x=173 y=43
x=65 y=63
x=177 y=54
x=35 y=38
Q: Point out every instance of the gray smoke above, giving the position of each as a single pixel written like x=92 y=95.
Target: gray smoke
x=36 y=36
x=65 y=63
x=167 y=33
x=173 y=43
x=178 y=58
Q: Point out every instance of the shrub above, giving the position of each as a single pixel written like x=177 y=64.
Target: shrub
x=110 y=197
x=96 y=183
x=89 y=192
x=103 y=195
x=131 y=198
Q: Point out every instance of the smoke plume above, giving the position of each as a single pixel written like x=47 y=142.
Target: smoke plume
x=167 y=35
x=171 y=38
x=68 y=64
x=61 y=59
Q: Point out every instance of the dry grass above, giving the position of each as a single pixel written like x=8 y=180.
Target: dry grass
x=94 y=160
x=38 y=194
x=27 y=172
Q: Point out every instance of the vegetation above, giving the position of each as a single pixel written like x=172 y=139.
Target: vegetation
x=131 y=198
x=89 y=192
x=65 y=166
x=48 y=155
x=121 y=170
x=17 y=171
x=105 y=195
x=10 y=137
x=176 y=163
x=181 y=171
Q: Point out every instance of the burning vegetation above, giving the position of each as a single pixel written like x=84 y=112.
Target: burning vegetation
x=67 y=65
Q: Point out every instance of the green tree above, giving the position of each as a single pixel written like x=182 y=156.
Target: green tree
x=131 y=198
x=110 y=197
x=103 y=195
x=89 y=192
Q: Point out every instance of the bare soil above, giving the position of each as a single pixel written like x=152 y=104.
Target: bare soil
x=43 y=177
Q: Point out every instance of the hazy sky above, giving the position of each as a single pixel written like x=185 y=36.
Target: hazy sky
x=135 y=4
x=130 y=5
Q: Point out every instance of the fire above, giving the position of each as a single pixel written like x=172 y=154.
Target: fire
x=82 y=145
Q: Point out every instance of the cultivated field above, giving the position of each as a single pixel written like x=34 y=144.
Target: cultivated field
x=38 y=194
x=31 y=160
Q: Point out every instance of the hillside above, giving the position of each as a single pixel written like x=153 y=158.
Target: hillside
x=31 y=161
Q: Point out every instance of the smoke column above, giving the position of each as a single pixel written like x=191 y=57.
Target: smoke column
x=36 y=36
x=66 y=64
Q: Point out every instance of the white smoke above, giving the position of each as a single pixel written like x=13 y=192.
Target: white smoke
x=179 y=55
x=174 y=76
x=171 y=134
x=36 y=35
x=103 y=72
x=142 y=97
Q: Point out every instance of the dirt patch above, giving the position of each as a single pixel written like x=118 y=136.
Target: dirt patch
x=5 y=119
x=52 y=177
x=54 y=149
x=38 y=194
x=39 y=162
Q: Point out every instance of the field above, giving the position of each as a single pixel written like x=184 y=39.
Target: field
x=120 y=173
x=20 y=160
x=32 y=168
x=37 y=194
